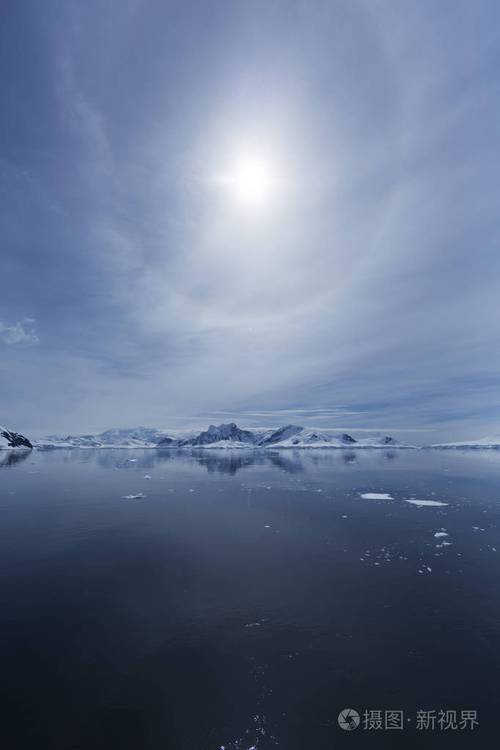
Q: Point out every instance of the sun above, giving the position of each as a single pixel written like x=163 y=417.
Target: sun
x=250 y=180
x=253 y=181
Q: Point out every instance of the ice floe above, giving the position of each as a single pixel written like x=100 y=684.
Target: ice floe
x=425 y=503
x=376 y=496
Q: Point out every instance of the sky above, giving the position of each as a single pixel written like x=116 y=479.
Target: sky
x=360 y=292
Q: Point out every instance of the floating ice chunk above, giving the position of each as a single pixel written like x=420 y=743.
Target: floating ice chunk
x=139 y=496
x=131 y=460
x=376 y=496
x=440 y=534
x=267 y=526
x=425 y=503
x=147 y=476
x=446 y=544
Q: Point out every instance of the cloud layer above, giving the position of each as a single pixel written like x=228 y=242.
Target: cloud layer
x=371 y=282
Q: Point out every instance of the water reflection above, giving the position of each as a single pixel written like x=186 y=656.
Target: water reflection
x=227 y=463
x=8 y=459
x=349 y=457
x=230 y=462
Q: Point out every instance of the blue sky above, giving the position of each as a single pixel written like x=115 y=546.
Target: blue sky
x=362 y=295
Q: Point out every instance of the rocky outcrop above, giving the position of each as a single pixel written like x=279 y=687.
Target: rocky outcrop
x=227 y=432
x=348 y=439
x=10 y=439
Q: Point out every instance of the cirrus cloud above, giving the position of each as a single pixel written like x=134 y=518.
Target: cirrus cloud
x=22 y=332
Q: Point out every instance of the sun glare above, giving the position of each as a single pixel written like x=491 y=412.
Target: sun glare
x=253 y=181
x=250 y=181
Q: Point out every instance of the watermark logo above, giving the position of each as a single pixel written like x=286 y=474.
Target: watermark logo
x=348 y=719
x=422 y=721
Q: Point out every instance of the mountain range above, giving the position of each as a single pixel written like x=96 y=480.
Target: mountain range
x=225 y=436
x=219 y=436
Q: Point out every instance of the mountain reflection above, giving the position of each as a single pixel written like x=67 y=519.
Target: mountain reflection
x=11 y=458
x=289 y=461
x=230 y=462
x=227 y=463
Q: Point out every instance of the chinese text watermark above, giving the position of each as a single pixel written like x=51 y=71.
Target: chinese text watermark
x=350 y=719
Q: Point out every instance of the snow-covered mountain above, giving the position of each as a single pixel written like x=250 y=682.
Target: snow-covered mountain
x=289 y=436
x=302 y=437
x=228 y=436
x=10 y=440
x=229 y=433
x=135 y=437
x=223 y=435
x=492 y=442
x=293 y=436
x=219 y=436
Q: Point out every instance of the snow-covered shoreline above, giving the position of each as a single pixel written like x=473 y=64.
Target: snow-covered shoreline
x=487 y=443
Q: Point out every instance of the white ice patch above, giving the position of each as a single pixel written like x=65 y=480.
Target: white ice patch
x=425 y=503
x=440 y=534
x=376 y=496
x=139 y=496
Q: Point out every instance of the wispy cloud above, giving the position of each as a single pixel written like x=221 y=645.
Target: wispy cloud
x=22 y=332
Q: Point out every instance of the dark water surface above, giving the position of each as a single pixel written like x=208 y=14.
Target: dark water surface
x=247 y=598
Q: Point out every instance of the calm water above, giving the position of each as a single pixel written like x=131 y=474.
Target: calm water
x=247 y=598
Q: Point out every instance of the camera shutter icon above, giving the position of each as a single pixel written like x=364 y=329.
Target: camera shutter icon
x=348 y=719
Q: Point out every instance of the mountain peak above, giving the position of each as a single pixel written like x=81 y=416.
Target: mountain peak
x=223 y=432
